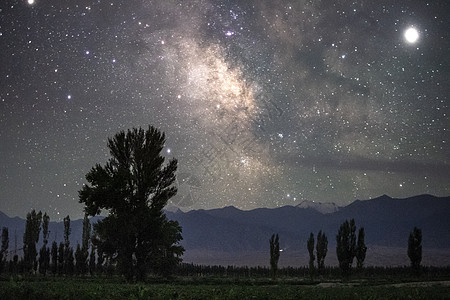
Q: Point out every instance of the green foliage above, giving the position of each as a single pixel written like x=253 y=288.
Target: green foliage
x=321 y=250
x=360 y=249
x=274 y=254
x=30 y=238
x=134 y=186
x=104 y=289
x=346 y=245
x=415 y=248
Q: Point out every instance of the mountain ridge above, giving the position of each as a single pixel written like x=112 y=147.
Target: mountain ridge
x=231 y=232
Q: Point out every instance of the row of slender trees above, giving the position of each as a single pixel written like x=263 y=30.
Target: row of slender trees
x=56 y=259
x=348 y=247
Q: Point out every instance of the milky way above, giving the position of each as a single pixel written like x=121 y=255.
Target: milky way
x=264 y=103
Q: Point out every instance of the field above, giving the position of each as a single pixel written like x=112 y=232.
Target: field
x=218 y=288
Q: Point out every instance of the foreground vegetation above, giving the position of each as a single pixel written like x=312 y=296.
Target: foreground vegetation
x=216 y=288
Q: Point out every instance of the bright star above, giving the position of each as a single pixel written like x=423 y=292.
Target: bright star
x=411 y=35
x=30 y=2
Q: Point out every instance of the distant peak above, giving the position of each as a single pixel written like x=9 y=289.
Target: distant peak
x=383 y=197
x=324 y=208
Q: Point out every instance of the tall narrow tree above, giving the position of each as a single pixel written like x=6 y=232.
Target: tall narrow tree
x=68 y=251
x=61 y=258
x=274 y=254
x=134 y=186
x=415 y=248
x=321 y=250
x=44 y=253
x=54 y=254
x=310 y=246
x=79 y=267
x=4 y=248
x=82 y=256
x=346 y=245
x=30 y=239
x=92 y=261
x=360 y=249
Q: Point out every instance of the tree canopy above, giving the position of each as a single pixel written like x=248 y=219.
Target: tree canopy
x=134 y=186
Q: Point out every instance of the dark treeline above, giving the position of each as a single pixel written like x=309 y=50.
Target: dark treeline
x=329 y=273
x=88 y=259
x=52 y=259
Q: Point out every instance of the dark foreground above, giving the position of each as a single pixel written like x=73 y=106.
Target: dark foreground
x=219 y=288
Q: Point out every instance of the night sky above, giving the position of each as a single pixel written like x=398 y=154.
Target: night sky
x=264 y=103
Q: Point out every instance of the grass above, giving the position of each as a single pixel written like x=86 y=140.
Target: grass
x=213 y=288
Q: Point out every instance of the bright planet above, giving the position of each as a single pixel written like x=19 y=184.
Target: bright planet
x=411 y=35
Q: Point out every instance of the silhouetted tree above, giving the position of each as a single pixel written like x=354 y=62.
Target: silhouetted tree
x=4 y=248
x=415 y=248
x=68 y=251
x=134 y=186
x=61 y=258
x=79 y=268
x=166 y=258
x=67 y=231
x=346 y=245
x=70 y=261
x=321 y=250
x=274 y=254
x=44 y=253
x=360 y=249
x=82 y=253
x=54 y=254
x=310 y=246
x=30 y=238
x=100 y=261
x=92 y=261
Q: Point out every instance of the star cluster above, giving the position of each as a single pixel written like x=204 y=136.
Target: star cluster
x=264 y=103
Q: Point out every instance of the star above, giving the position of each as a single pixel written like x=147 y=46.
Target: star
x=411 y=35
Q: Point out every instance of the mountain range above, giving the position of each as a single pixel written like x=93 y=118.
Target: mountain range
x=237 y=237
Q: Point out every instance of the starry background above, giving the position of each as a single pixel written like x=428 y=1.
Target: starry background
x=264 y=103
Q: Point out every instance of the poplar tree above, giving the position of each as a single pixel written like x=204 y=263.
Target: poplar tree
x=274 y=254
x=30 y=239
x=360 y=249
x=92 y=261
x=44 y=253
x=68 y=251
x=61 y=259
x=54 y=255
x=310 y=246
x=415 y=248
x=346 y=246
x=133 y=187
x=4 y=248
x=321 y=250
